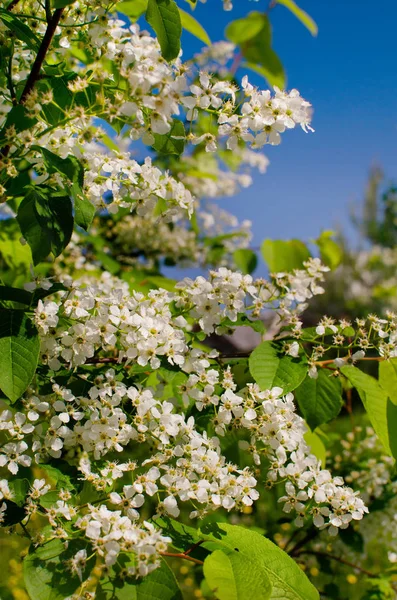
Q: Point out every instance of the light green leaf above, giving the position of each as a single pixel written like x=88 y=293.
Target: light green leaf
x=244 y=29
x=388 y=378
x=260 y=56
x=270 y=367
x=191 y=25
x=19 y=352
x=284 y=255
x=331 y=253
x=164 y=17
x=245 y=260
x=319 y=400
x=375 y=401
x=234 y=576
x=287 y=579
x=301 y=15
x=392 y=426
x=316 y=446
x=132 y=8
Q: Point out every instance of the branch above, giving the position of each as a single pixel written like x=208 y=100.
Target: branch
x=34 y=74
x=44 y=46
x=182 y=555
x=338 y=559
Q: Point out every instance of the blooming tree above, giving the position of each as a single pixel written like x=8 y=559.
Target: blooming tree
x=129 y=443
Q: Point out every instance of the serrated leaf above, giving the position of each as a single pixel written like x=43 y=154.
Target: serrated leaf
x=190 y=24
x=19 y=352
x=246 y=260
x=227 y=577
x=287 y=579
x=164 y=17
x=284 y=255
x=300 y=14
x=374 y=399
x=270 y=367
x=319 y=400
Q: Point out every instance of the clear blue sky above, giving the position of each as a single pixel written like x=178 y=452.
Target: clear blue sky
x=349 y=75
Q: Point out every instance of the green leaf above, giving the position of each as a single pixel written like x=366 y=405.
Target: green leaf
x=191 y=25
x=319 y=400
x=316 y=446
x=259 y=54
x=183 y=536
x=234 y=577
x=15 y=295
x=84 y=211
x=132 y=8
x=270 y=367
x=284 y=255
x=375 y=401
x=164 y=17
x=331 y=253
x=160 y=584
x=44 y=570
x=172 y=142
x=245 y=259
x=244 y=29
x=20 y=29
x=46 y=222
x=301 y=15
x=388 y=378
x=19 y=352
x=59 y=478
x=287 y=579
x=388 y=382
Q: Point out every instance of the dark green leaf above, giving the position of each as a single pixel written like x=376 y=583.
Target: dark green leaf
x=46 y=222
x=20 y=29
x=172 y=142
x=319 y=400
x=19 y=352
x=164 y=17
x=15 y=295
x=270 y=367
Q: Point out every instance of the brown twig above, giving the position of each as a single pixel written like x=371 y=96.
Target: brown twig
x=38 y=62
x=338 y=559
x=184 y=556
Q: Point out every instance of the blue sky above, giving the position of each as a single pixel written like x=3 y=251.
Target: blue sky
x=349 y=75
